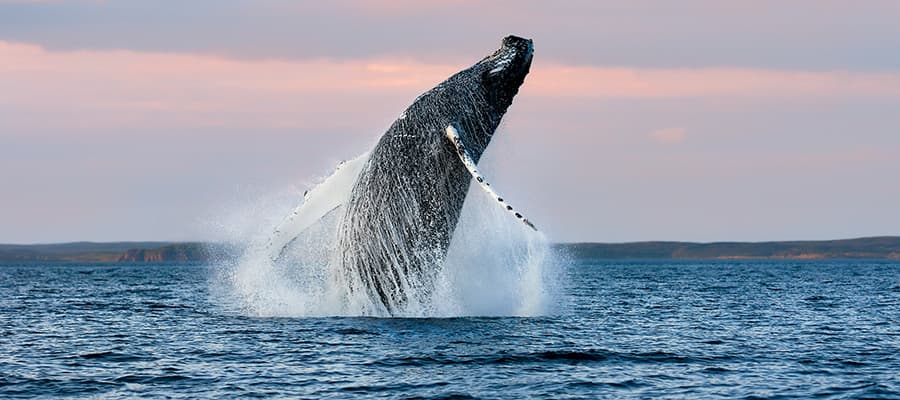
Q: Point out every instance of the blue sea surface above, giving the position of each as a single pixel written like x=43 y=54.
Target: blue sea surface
x=647 y=329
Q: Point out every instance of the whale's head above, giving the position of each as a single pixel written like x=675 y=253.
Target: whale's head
x=473 y=100
x=479 y=96
x=503 y=72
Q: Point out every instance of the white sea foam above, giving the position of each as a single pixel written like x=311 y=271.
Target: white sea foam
x=495 y=266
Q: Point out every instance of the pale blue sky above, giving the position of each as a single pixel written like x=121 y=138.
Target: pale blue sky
x=704 y=120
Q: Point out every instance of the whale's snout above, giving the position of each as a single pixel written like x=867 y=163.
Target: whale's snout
x=514 y=55
x=520 y=50
x=518 y=44
x=504 y=71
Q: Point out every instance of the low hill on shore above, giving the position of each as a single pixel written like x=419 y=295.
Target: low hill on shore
x=116 y=252
x=884 y=247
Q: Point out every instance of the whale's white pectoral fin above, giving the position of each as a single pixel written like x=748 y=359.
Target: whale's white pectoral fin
x=318 y=202
x=469 y=162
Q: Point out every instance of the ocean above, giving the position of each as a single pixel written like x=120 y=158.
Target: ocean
x=619 y=329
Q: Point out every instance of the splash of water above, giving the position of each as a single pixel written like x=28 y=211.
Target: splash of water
x=495 y=266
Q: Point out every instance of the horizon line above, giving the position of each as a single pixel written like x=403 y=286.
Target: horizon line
x=169 y=242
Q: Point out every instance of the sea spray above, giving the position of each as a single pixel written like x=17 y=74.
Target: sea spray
x=245 y=279
x=495 y=266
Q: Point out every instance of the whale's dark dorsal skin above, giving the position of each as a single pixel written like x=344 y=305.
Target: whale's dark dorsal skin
x=405 y=204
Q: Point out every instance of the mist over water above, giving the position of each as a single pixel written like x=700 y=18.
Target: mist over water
x=495 y=266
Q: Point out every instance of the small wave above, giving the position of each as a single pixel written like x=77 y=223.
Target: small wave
x=665 y=357
x=354 y=331
x=163 y=306
x=162 y=379
x=719 y=288
x=626 y=384
x=22 y=387
x=879 y=391
x=400 y=387
x=850 y=363
x=567 y=357
x=114 y=357
x=446 y=396
x=593 y=355
x=861 y=386
x=82 y=303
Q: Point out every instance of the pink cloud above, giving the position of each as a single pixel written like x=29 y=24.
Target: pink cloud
x=561 y=80
x=668 y=135
x=89 y=89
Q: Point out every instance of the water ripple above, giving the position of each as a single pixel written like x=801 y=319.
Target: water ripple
x=623 y=330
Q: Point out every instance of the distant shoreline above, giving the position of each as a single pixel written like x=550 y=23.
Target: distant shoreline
x=881 y=247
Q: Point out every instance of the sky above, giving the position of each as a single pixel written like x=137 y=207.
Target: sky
x=695 y=120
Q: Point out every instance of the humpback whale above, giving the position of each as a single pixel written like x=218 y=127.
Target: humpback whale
x=398 y=205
